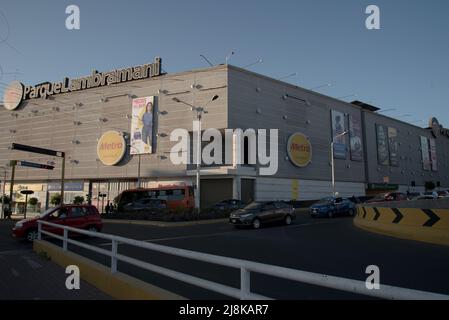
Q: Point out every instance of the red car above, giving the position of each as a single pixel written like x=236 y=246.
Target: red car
x=77 y=216
x=390 y=196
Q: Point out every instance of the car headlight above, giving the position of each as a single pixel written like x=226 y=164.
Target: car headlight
x=19 y=225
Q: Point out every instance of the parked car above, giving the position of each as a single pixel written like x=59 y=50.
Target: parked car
x=429 y=195
x=443 y=194
x=77 y=216
x=331 y=207
x=231 y=204
x=144 y=204
x=257 y=213
x=390 y=196
x=413 y=195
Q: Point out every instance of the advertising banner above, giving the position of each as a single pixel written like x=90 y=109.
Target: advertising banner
x=383 y=156
x=425 y=153
x=393 y=146
x=355 y=138
x=338 y=127
x=433 y=154
x=142 y=125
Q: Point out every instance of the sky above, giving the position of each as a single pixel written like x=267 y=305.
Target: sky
x=404 y=65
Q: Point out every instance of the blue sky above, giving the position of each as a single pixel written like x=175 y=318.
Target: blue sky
x=404 y=65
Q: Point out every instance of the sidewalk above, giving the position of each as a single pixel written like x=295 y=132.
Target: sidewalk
x=26 y=276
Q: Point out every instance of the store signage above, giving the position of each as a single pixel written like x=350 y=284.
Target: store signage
x=436 y=128
x=299 y=149
x=111 y=148
x=382 y=186
x=16 y=92
x=68 y=186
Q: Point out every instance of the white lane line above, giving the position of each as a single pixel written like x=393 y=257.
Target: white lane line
x=14 y=272
x=179 y=238
x=237 y=233
x=33 y=264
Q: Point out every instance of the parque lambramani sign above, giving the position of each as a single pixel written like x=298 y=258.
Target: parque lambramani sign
x=16 y=92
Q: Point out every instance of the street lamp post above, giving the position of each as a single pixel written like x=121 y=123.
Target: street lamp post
x=332 y=160
x=3 y=192
x=199 y=114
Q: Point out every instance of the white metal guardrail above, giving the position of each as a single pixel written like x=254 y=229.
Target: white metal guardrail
x=245 y=266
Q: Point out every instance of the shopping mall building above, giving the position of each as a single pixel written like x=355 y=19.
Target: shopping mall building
x=110 y=122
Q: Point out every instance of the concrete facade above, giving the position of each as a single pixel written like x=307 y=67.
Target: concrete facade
x=73 y=122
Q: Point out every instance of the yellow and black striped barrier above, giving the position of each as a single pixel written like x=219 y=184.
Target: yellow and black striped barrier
x=427 y=225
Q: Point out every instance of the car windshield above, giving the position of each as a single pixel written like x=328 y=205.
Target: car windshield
x=46 y=212
x=253 y=205
x=325 y=200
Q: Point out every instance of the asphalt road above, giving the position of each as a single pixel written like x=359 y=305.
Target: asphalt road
x=328 y=246
x=26 y=276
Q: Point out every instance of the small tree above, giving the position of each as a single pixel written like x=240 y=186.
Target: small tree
x=55 y=199
x=429 y=185
x=33 y=202
x=78 y=200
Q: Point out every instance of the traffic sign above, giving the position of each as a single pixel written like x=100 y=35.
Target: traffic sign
x=35 y=165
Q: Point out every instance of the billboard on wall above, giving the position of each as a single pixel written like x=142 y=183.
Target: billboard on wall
x=338 y=127
x=142 y=125
x=433 y=154
x=383 y=156
x=393 y=146
x=425 y=153
x=355 y=138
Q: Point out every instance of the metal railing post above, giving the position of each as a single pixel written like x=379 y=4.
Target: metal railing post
x=245 y=283
x=64 y=242
x=114 y=256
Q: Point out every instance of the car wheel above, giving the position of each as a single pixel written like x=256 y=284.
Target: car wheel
x=256 y=224
x=31 y=235
x=351 y=212
x=288 y=220
x=330 y=214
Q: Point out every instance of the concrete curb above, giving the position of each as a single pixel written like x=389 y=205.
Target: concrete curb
x=425 y=225
x=117 y=285
x=164 y=224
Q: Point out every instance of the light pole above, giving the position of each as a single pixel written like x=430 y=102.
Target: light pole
x=3 y=192
x=332 y=160
x=138 y=167
x=199 y=114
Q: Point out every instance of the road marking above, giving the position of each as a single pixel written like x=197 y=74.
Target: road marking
x=33 y=264
x=14 y=272
x=219 y=233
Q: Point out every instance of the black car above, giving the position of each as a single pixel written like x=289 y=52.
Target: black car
x=257 y=213
x=231 y=204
